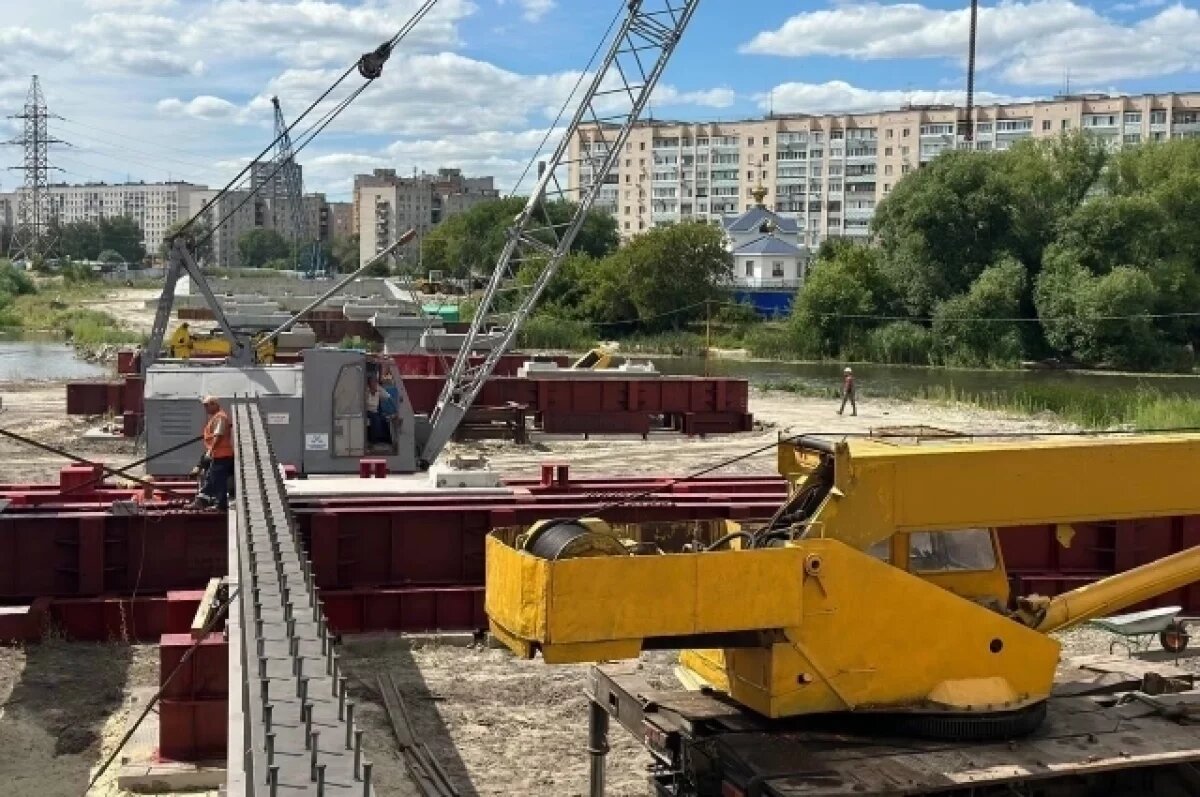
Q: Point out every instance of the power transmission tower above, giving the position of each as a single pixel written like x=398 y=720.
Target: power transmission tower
x=32 y=233
x=287 y=186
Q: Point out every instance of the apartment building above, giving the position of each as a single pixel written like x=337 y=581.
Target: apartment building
x=828 y=172
x=154 y=206
x=244 y=214
x=387 y=205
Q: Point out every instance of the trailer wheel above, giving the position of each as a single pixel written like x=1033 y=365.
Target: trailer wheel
x=1174 y=638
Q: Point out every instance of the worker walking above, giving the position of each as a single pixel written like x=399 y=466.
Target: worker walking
x=218 y=456
x=848 y=391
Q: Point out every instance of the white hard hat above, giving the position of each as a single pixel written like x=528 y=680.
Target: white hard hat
x=847 y=371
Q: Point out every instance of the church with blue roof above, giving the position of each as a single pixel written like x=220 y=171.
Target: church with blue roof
x=770 y=261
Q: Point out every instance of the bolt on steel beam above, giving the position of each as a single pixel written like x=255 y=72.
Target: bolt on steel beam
x=296 y=695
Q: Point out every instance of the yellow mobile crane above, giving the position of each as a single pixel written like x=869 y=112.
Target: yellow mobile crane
x=877 y=593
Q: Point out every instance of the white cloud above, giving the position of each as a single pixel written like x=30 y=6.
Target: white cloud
x=1034 y=42
x=202 y=107
x=536 y=9
x=837 y=96
x=139 y=5
x=706 y=98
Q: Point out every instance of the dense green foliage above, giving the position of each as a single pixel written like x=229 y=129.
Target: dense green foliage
x=88 y=240
x=471 y=242
x=1053 y=249
x=200 y=240
x=262 y=247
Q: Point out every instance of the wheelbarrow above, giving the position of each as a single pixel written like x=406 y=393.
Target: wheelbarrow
x=1138 y=629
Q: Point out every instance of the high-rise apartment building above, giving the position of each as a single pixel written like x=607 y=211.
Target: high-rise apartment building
x=154 y=206
x=828 y=172
x=387 y=205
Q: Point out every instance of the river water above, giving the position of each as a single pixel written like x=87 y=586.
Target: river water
x=23 y=360
x=898 y=380
x=54 y=359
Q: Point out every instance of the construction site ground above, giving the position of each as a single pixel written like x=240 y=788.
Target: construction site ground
x=498 y=725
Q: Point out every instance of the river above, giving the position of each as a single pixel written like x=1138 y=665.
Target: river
x=899 y=380
x=23 y=360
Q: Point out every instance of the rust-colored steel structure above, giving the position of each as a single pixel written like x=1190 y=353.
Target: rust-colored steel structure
x=101 y=562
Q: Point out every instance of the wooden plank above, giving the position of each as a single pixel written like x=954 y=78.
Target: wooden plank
x=205 y=609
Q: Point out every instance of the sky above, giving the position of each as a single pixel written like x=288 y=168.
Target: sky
x=180 y=89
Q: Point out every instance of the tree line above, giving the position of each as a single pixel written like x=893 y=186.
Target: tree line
x=1054 y=249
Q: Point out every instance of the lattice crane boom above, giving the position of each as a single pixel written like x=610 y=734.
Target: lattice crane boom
x=612 y=103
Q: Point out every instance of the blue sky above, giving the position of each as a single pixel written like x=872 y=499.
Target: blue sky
x=158 y=89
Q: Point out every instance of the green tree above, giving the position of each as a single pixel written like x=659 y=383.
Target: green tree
x=943 y=225
x=78 y=240
x=344 y=253
x=667 y=273
x=976 y=327
x=471 y=242
x=841 y=300
x=199 y=236
x=121 y=234
x=259 y=246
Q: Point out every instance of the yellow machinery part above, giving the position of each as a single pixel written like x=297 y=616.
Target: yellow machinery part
x=845 y=615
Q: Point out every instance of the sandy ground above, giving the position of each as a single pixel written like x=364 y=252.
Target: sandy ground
x=128 y=305
x=63 y=708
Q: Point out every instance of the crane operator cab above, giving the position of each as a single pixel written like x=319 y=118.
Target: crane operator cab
x=355 y=406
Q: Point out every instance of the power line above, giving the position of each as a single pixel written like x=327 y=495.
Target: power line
x=31 y=239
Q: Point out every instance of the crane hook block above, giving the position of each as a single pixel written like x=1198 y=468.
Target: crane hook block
x=370 y=65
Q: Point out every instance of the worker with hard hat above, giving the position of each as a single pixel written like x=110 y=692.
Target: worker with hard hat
x=848 y=391
x=217 y=461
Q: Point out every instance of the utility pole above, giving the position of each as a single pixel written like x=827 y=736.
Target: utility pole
x=31 y=234
x=707 y=332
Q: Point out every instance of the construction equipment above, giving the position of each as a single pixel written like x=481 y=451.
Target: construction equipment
x=184 y=344
x=619 y=90
x=878 y=588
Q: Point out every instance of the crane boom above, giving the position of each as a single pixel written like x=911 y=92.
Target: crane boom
x=614 y=99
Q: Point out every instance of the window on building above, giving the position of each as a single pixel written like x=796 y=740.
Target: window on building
x=749 y=175
x=627 y=225
x=777 y=268
x=627 y=178
x=905 y=133
x=887 y=169
x=905 y=169
x=642 y=145
x=1158 y=117
x=766 y=141
x=628 y=162
x=750 y=141
x=1133 y=138
x=1066 y=123
x=641 y=161
x=904 y=151
x=628 y=210
x=766 y=158
x=887 y=152
x=1045 y=124
x=888 y=133
x=749 y=268
x=887 y=187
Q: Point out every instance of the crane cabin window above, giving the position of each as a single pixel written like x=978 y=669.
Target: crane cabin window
x=945 y=551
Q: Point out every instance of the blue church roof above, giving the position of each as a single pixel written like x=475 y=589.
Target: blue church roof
x=768 y=245
x=755 y=217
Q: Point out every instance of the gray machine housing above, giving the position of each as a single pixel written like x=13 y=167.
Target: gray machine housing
x=315 y=412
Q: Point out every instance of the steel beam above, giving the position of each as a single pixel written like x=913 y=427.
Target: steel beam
x=298 y=730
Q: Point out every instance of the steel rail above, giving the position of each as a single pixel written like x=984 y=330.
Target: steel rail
x=298 y=723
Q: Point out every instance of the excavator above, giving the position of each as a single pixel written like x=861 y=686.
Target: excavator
x=865 y=640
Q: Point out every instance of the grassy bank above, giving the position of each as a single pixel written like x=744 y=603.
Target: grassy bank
x=1143 y=409
x=56 y=309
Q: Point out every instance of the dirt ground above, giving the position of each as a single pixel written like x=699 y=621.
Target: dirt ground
x=128 y=305
x=63 y=708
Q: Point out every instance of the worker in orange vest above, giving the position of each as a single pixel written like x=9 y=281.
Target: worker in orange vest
x=217 y=461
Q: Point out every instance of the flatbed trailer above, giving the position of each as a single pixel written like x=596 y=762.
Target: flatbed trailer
x=1105 y=734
